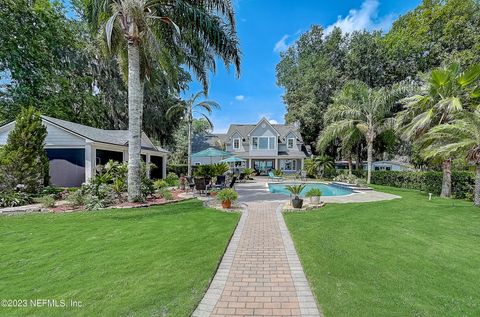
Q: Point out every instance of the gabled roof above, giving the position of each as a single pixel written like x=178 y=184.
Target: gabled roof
x=282 y=129
x=117 y=137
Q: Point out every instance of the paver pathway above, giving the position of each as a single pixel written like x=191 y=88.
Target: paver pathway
x=260 y=274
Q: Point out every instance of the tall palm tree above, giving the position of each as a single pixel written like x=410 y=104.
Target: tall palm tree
x=350 y=137
x=366 y=109
x=162 y=34
x=459 y=137
x=446 y=93
x=188 y=109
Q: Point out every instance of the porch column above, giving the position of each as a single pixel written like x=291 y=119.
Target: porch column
x=302 y=161
x=125 y=155
x=164 y=167
x=250 y=163
x=147 y=162
x=90 y=161
x=276 y=164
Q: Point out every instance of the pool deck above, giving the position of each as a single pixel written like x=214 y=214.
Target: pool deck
x=257 y=190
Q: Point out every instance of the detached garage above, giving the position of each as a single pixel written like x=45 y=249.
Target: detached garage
x=75 y=150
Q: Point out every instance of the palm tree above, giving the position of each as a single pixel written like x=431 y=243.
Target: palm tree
x=459 y=137
x=317 y=165
x=350 y=137
x=188 y=108
x=152 y=34
x=443 y=97
x=366 y=109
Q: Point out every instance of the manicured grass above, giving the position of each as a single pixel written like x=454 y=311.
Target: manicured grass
x=141 y=262
x=406 y=257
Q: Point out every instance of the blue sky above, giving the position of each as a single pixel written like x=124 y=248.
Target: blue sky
x=267 y=27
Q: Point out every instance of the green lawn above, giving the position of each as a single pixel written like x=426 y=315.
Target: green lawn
x=141 y=262
x=406 y=257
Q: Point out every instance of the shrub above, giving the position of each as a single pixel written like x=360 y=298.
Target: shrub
x=314 y=192
x=278 y=172
x=23 y=159
x=166 y=194
x=47 y=201
x=178 y=169
x=160 y=184
x=350 y=179
x=205 y=170
x=220 y=169
x=14 y=199
x=53 y=191
x=97 y=197
x=295 y=190
x=249 y=171
x=227 y=194
x=172 y=179
x=463 y=182
x=76 y=198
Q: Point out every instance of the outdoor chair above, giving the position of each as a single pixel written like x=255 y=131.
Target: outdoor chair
x=200 y=185
x=242 y=177
x=220 y=182
x=303 y=176
x=232 y=183
x=272 y=176
x=191 y=183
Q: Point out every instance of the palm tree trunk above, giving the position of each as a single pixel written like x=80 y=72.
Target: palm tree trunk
x=135 y=109
x=447 y=178
x=477 y=187
x=359 y=157
x=189 y=151
x=349 y=163
x=369 y=160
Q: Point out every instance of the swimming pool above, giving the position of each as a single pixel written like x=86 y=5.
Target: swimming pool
x=327 y=190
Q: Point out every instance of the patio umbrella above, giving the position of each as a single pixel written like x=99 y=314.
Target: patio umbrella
x=232 y=159
x=212 y=152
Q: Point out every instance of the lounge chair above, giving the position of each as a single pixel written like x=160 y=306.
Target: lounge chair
x=220 y=182
x=242 y=177
x=274 y=178
x=200 y=185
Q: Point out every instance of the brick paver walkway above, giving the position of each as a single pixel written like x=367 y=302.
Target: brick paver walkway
x=265 y=277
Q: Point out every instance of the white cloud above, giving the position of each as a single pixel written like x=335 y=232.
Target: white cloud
x=281 y=45
x=273 y=121
x=240 y=97
x=365 y=18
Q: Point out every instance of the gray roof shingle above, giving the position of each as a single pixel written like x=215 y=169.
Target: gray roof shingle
x=117 y=137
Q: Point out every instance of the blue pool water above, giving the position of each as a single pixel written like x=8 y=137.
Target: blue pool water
x=327 y=190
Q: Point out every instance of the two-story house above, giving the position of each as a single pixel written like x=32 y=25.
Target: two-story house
x=267 y=146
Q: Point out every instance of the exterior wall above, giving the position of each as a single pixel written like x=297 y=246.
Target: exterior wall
x=387 y=166
x=265 y=130
x=243 y=145
x=206 y=160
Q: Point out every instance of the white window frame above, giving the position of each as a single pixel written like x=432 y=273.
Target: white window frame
x=233 y=144
x=271 y=143
x=288 y=143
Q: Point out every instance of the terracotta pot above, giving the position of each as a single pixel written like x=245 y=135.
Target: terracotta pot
x=213 y=194
x=226 y=204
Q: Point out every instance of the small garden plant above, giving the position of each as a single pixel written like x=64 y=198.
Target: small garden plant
x=314 y=192
x=227 y=196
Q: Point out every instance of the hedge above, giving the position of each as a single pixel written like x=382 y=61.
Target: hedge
x=463 y=182
x=177 y=169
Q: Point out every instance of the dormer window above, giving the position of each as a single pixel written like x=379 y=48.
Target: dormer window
x=290 y=143
x=236 y=144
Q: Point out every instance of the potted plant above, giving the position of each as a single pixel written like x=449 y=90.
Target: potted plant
x=296 y=190
x=227 y=196
x=314 y=194
x=213 y=192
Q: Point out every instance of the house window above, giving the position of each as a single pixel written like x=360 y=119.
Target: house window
x=290 y=143
x=263 y=143
x=196 y=163
x=236 y=144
